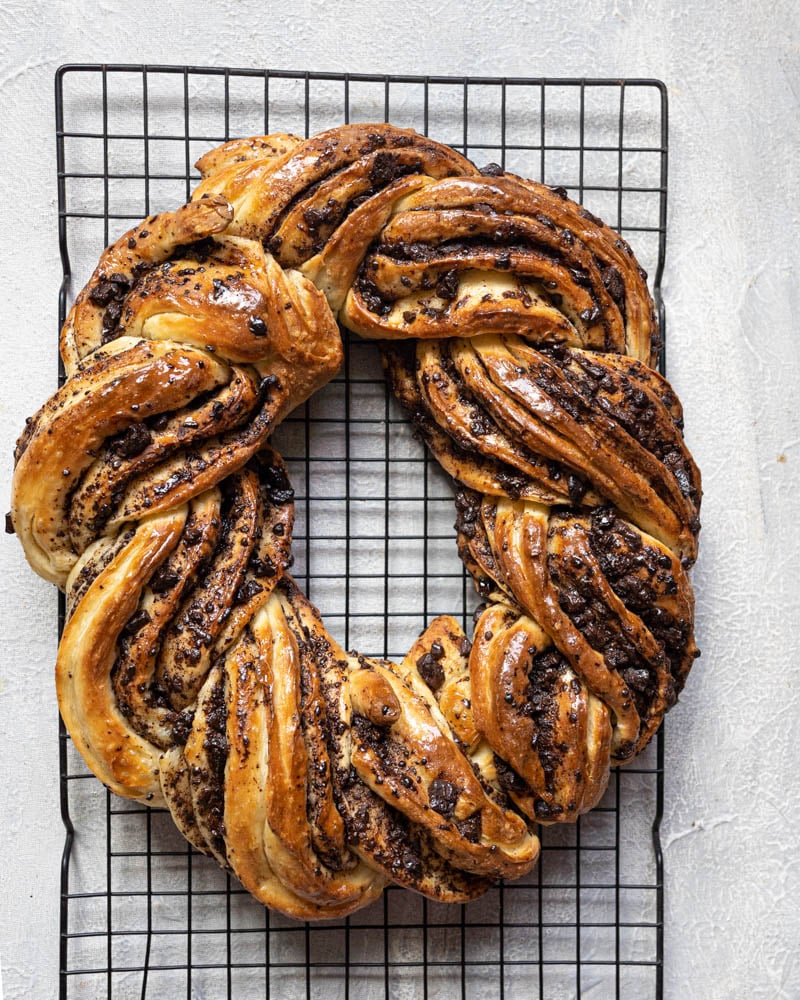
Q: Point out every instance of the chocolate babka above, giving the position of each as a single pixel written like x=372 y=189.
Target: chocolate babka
x=519 y=336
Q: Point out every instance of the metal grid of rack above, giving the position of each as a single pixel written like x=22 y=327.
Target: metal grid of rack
x=143 y=914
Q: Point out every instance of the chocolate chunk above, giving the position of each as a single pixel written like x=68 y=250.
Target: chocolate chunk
x=447 y=286
x=431 y=312
x=430 y=670
x=512 y=484
x=571 y=601
x=135 y=623
x=590 y=316
x=603 y=518
x=102 y=293
x=374 y=141
x=590 y=217
x=468 y=512
x=543 y=810
x=263 y=567
x=111 y=319
x=163 y=579
x=265 y=387
x=615 y=286
x=9 y=524
x=372 y=297
x=277 y=486
x=113 y=288
x=465 y=647
x=313 y=218
x=411 y=863
x=492 y=170
x=637 y=593
x=113 y=315
x=248 y=590
x=258 y=327
x=638 y=678
x=160 y=422
x=443 y=796
x=192 y=535
x=133 y=442
x=324 y=215
x=384 y=169
x=182 y=726
x=470 y=828
x=577 y=488
x=508 y=777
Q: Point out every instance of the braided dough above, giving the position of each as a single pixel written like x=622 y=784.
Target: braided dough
x=519 y=336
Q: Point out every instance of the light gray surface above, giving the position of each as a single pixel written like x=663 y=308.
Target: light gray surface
x=733 y=785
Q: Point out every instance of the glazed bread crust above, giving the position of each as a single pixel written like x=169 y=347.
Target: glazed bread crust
x=519 y=336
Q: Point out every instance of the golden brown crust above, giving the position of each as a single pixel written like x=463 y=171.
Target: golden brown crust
x=266 y=750
x=236 y=151
x=123 y=760
x=413 y=762
x=146 y=245
x=292 y=203
x=193 y=673
x=565 y=427
x=472 y=255
x=538 y=717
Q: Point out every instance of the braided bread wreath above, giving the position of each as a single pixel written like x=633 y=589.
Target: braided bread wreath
x=192 y=672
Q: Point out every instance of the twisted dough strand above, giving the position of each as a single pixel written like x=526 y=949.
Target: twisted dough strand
x=193 y=674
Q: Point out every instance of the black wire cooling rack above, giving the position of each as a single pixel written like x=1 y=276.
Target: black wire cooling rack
x=142 y=914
